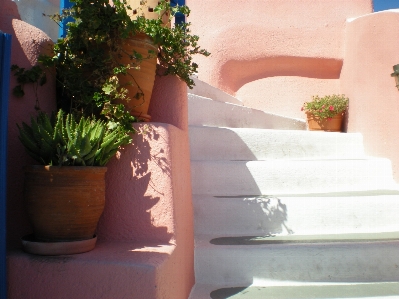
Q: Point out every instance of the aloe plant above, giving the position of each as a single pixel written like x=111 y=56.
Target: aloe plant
x=61 y=140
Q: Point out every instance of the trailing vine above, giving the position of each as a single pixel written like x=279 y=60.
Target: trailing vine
x=87 y=59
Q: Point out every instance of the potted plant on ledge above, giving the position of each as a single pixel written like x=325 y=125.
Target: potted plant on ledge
x=112 y=58
x=326 y=113
x=65 y=196
x=97 y=78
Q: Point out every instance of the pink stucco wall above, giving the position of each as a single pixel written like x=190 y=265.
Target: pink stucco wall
x=371 y=49
x=146 y=231
x=273 y=54
x=27 y=43
x=145 y=235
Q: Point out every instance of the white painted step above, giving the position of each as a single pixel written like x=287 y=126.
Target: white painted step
x=376 y=290
x=208 y=91
x=213 y=143
x=306 y=214
x=369 y=258
x=205 y=111
x=328 y=213
x=301 y=176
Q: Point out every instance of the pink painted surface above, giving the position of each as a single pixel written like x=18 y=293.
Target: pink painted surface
x=280 y=95
x=27 y=43
x=372 y=43
x=146 y=243
x=257 y=39
x=145 y=246
x=112 y=270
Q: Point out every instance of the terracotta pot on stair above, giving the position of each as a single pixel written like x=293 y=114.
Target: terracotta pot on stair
x=139 y=80
x=332 y=124
x=64 y=203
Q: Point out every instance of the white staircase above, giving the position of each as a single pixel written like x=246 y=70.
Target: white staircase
x=281 y=212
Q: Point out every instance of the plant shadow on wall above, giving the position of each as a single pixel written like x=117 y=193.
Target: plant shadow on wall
x=140 y=207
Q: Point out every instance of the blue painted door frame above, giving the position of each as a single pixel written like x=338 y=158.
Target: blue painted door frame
x=5 y=59
x=64 y=4
x=179 y=18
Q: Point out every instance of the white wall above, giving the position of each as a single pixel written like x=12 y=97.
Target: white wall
x=31 y=11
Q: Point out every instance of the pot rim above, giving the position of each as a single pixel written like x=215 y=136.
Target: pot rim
x=51 y=168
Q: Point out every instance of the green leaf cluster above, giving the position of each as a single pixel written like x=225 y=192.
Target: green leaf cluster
x=88 y=61
x=327 y=106
x=176 y=46
x=87 y=66
x=36 y=76
x=61 y=140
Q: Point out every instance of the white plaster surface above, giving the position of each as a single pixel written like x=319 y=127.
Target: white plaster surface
x=208 y=91
x=311 y=214
x=31 y=11
x=379 y=290
x=205 y=111
x=312 y=262
x=294 y=176
x=259 y=144
x=250 y=179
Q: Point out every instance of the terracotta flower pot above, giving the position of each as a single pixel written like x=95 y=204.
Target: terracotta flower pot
x=332 y=124
x=141 y=79
x=64 y=203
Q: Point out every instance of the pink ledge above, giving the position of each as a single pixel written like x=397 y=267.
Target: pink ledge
x=145 y=246
x=111 y=270
x=145 y=235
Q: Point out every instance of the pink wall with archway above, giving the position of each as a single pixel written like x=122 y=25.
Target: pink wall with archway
x=256 y=44
x=275 y=54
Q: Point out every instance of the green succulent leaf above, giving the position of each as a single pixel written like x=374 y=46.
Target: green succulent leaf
x=61 y=140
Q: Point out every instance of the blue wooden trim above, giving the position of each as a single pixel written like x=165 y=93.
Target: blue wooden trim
x=179 y=18
x=63 y=26
x=5 y=58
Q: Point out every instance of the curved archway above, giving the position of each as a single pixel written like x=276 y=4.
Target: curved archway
x=236 y=73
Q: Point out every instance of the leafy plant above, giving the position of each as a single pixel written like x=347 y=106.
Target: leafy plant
x=327 y=106
x=36 y=75
x=61 y=140
x=88 y=68
x=88 y=59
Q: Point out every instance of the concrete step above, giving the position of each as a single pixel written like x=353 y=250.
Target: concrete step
x=309 y=214
x=111 y=270
x=375 y=290
x=295 y=176
x=205 y=111
x=275 y=260
x=260 y=144
x=208 y=91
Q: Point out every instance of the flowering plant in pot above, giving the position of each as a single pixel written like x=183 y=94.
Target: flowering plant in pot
x=326 y=113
